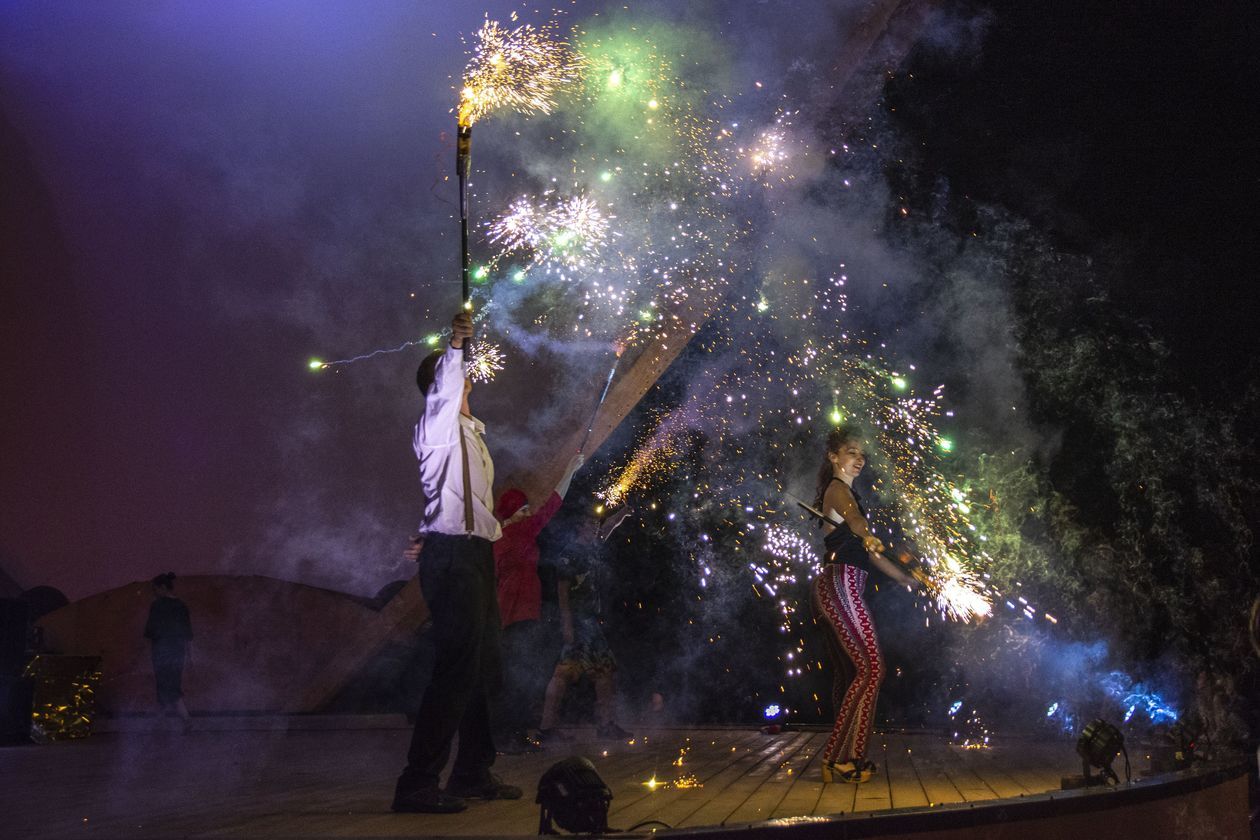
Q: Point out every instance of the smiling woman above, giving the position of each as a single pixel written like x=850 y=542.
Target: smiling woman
x=852 y=551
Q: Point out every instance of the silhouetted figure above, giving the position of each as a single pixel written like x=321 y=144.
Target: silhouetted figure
x=170 y=632
x=520 y=611
x=586 y=650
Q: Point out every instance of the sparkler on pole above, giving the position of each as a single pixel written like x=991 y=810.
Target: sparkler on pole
x=957 y=598
x=463 y=163
x=603 y=395
x=519 y=69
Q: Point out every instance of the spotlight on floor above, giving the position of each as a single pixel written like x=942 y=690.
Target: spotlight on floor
x=1098 y=746
x=573 y=795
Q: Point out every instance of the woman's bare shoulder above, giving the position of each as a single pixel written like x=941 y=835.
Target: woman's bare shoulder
x=837 y=494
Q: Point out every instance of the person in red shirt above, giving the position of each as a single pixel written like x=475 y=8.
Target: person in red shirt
x=520 y=609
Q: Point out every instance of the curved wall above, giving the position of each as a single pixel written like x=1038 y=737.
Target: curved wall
x=258 y=641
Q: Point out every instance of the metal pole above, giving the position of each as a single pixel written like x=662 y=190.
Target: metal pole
x=463 y=163
x=595 y=413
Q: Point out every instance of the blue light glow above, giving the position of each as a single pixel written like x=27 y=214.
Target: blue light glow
x=1138 y=698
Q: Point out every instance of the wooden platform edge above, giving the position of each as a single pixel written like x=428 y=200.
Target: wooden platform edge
x=975 y=815
x=253 y=722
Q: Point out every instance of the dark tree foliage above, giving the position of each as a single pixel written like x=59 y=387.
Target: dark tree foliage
x=1145 y=499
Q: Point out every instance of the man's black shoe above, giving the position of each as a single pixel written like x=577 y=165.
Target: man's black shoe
x=427 y=801
x=552 y=736
x=490 y=787
x=612 y=731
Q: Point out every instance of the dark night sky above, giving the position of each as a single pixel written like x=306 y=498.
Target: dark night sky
x=197 y=198
x=1126 y=131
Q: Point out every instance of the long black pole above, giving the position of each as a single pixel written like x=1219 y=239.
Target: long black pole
x=463 y=163
x=463 y=158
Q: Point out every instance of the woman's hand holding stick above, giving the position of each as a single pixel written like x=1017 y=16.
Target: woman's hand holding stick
x=913 y=577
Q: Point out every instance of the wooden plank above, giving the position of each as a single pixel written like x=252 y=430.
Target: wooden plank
x=1000 y=769
x=704 y=763
x=331 y=792
x=192 y=799
x=705 y=758
x=774 y=785
x=722 y=785
x=621 y=765
x=833 y=797
x=937 y=785
x=625 y=769
x=836 y=798
x=991 y=775
x=904 y=788
x=950 y=761
x=875 y=795
x=334 y=783
x=321 y=793
x=1040 y=767
x=349 y=811
x=806 y=781
x=745 y=778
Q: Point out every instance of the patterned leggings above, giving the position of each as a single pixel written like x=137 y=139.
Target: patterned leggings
x=837 y=596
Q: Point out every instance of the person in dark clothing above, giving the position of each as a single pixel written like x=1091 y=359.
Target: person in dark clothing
x=169 y=631
x=520 y=611
x=455 y=554
x=586 y=650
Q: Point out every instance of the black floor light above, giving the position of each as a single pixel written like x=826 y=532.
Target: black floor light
x=1098 y=746
x=573 y=795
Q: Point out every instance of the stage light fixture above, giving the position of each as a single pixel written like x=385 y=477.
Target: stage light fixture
x=1098 y=746
x=572 y=795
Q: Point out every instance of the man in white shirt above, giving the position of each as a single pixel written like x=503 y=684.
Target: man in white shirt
x=456 y=566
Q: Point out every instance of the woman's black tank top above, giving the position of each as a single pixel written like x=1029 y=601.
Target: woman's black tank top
x=844 y=546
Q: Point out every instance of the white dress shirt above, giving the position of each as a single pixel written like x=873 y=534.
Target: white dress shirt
x=437 y=448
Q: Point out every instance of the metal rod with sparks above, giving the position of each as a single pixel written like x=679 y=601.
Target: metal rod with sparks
x=590 y=426
x=463 y=162
x=519 y=69
x=915 y=570
x=810 y=509
x=463 y=165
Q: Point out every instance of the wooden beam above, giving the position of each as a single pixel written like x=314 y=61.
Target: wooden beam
x=404 y=615
x=406 y=612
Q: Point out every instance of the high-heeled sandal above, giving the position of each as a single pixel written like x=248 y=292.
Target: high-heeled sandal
x=855 y=775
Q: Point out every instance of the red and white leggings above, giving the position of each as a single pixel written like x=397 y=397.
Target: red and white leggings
x=838 y=600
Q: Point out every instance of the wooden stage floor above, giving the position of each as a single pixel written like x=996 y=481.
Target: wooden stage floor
x=338 y=783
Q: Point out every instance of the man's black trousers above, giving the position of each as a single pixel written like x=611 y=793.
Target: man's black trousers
x=527 y=665
x=457 y=580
